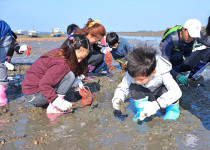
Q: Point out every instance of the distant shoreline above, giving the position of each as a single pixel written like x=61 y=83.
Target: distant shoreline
x=148 y=34
x=47 y=37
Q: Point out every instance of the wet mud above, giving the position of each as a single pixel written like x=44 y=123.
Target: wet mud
x=23 y=126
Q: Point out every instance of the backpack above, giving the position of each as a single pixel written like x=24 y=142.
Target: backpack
x=175 y=37
x=170 y=30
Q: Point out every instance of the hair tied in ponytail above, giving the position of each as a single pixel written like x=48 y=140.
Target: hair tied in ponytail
x=71 y=38
x=77 y=43
x=93 y=22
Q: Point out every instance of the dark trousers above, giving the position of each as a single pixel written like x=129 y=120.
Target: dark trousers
x=182 y=65
x=96 y=58
x=139 y=92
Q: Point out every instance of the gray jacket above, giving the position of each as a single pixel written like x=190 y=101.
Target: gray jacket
x=162 y=77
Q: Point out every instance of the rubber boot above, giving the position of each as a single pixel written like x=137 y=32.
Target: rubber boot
x=3 y=97
x=172 y=112
x=137 y=102
x=105 y=69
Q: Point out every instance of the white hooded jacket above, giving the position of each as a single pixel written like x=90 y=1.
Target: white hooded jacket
x=162 y=77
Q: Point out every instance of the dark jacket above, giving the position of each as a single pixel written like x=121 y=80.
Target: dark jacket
x=171 y=44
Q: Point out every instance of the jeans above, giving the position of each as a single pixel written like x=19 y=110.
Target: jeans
x=96 y=58
x=5 y=43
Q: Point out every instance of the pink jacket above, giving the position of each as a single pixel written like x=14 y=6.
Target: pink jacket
x=43 y=75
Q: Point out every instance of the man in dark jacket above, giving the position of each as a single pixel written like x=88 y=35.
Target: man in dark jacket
x=178 y=47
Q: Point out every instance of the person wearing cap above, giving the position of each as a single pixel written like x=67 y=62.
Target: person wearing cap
x=178 y=45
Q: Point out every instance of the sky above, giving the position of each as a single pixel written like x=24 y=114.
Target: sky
x=115 y=15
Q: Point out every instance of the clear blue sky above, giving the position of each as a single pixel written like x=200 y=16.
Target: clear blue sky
x=115 y=15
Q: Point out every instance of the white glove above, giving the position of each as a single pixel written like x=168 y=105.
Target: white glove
x=81 y=77
x=149 y=108
x=199 y=47
x=23 y=48
x=106 y=49
x=116 y=104
x=9 y=66
x=78 y=82
x=62 y=104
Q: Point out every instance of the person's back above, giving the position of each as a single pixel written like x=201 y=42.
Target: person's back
x=120 y=46
x=4 y=29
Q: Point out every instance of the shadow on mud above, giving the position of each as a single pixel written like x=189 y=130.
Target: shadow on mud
x=196 y=100
x=14 y=90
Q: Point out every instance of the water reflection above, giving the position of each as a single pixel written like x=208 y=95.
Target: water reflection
x=156 y=40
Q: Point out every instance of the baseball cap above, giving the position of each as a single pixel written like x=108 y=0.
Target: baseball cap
x=194 y=27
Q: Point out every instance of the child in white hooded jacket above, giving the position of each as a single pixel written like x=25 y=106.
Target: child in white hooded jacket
x=150 y=83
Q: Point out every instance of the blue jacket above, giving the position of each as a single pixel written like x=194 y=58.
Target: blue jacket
x=123 y=48
x=4 y=29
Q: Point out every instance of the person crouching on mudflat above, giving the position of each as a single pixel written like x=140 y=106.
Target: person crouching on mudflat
x=50 y=77
x=150 y=83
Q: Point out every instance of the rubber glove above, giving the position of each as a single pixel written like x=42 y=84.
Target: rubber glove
x=78 y=83
x=182 y=79
x=106 y=49
x=116 y=104
x=9 y=66
x=23 y=48
x=62 y=104
x=119 y=114
x=149 y=108
x=82 y=76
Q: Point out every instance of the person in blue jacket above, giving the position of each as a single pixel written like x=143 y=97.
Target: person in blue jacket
x=178 y=47
x=5 y=43
x=120 y=48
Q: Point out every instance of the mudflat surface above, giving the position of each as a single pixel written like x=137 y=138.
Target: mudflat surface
x=23 y=126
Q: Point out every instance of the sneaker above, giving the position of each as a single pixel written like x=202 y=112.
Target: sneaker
x=104 y=72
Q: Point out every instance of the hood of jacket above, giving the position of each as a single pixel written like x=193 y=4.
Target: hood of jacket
x=162 y=66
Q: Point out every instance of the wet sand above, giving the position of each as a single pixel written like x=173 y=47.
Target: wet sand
x=23 y=126
x=150 y=34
